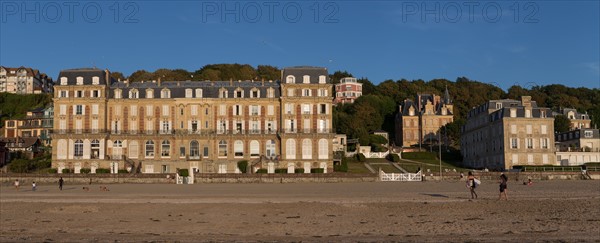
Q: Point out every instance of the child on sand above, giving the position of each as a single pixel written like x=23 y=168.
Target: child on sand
x=17 y=184
x=471 y=184
x=33 y=187
x=503 y=186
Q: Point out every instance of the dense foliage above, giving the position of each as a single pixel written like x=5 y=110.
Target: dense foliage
x=15 y=106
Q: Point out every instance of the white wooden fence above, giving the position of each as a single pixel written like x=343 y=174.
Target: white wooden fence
x=400 y=176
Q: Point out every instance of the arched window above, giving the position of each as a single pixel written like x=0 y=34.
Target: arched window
x=306 y=79
x=270 y=149
x=194 y=149
x=149 y=94
x=78 y=151
x=322 y=79
x=223 y=93
x=290 y=149
x=239 y=93
x=149 y=149
x=323 y=149
x=306 y=149
x=222 y=148
x=254 y=148
x=198 y=93
x=165 y=149
x=117 y=149
x=290 y=79
x=95 y=80
x=79 y=80
x=255 y=93
x=238 y=148
x=188 y=93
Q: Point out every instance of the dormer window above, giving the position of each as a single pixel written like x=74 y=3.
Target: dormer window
x=134 y=94
x=270 y=93
x=239 y=93
x=95 y=80
x=79 y=80
x=165 y=94
x=255 y=93
x=63 y=81
x=223 y=93
x=188 y=93
x=118 y=94
x=306 y=79
x=290 y=79
x=198 y=93
x=322 y=79
x=150 y=94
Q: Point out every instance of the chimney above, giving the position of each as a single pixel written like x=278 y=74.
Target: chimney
x=159 y=81
x=178 y=84
x=263 y=82
x=526 y=101
x=127 y=82
x=230 y=82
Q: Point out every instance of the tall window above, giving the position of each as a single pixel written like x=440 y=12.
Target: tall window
x=290 y=149
x=254 y=148
x=194 y=149
x=79 y=110
x=270 y=148
x=544 y=143
x=78 y=148
x=222 y=148
x=306 y=149
x=323 y=149
x=117 y=149
x=529 y=143
x=238 y=148
x=95 y=149
x=165 y=94
x=165 y=148
x=149 y=149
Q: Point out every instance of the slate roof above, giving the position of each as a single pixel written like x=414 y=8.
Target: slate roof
x=210 y=89
x=20 y=142
x=299 y=71
x=86 y=73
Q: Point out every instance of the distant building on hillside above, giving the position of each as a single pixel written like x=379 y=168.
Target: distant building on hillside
x=38 y=123
x=348 y=90
x=501 y=134
x=419 y=121
x=578 y=120
x=24 y=80
x=577 y=147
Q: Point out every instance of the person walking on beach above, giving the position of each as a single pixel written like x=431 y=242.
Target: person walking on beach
x=17 y=184
x=472 y=185
x=503 y=186
x=33 y=187
x=60 y=183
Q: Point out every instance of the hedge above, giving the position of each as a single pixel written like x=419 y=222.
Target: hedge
x=52 y=171
x=281 y=171
x=343 y=167
x=361 y=157
x=299 y=170
x=66 y=171
x=85 y=170
x=394 y=157
x=317 y=170
x=261 y=171
x=122 y=171
x=419 y=155
x=102 y=171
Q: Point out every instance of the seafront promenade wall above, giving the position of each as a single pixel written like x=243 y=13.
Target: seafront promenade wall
x=26 y=179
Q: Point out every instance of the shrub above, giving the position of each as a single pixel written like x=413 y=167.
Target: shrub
x=361 y=157
x=299 y=170
x=122 y=171
x=66 y=171
x=183 y=172
x=317 y=170
x=394 y=157
x=102 y=171
x=85 y=170
x=378 y=148
x=343 y=167
x=20 y=166
x=261 y=171
x=52 y=171
x=243 y=166
x=280 y=171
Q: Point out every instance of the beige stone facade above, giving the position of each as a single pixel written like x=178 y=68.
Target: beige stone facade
x=501 y=134
x=205 y=126
x=419 y=122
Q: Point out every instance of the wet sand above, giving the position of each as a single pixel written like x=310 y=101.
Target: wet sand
x=313 y=212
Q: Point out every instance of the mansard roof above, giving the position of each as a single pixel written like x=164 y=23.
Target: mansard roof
x=86 y=73
x=210 y=89
x=299 y=71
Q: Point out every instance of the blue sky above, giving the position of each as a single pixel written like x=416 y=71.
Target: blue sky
x=498 y=42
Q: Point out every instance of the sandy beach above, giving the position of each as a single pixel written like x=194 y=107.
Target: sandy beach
x=312 y=212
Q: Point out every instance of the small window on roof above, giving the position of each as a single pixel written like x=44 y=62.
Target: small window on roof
x=198 y=93
x=290 y=79
x=306 y=79
x=322 y=79
x=79 y=80
x=188 y=93
x=95 y=80
x=63 y=81
x=149 y=94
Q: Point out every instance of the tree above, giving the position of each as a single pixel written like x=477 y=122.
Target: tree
x=267 y=72
x=562 y=123
x=337 y=75
x=140 y=75
x=117 y=76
